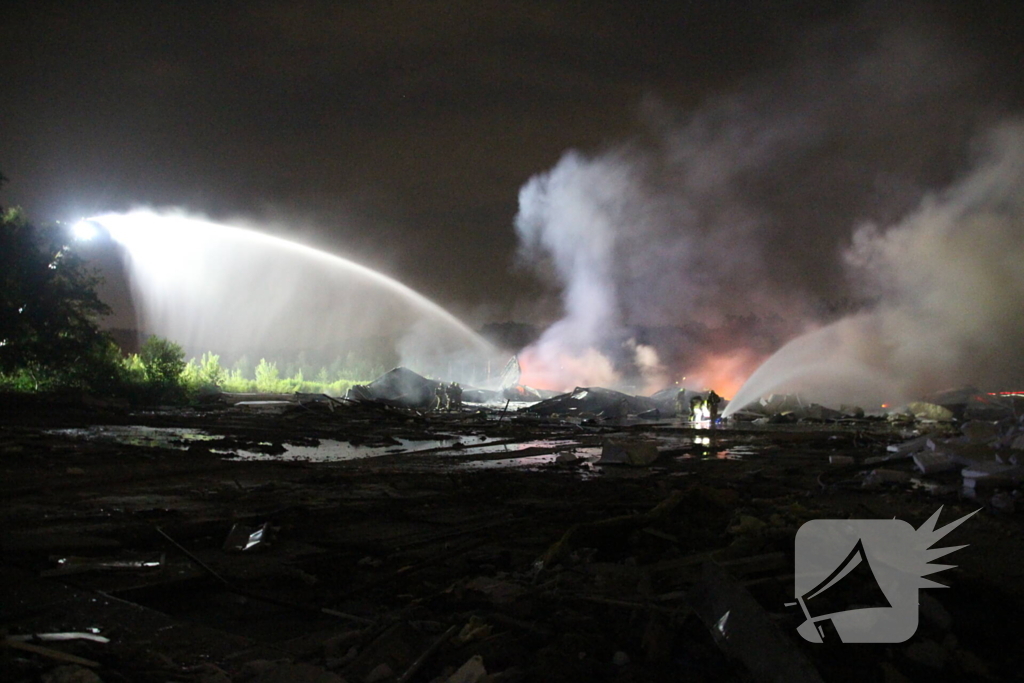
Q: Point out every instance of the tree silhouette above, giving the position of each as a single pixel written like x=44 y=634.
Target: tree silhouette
x=48 y=302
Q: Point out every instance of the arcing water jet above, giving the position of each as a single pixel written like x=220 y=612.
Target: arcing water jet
x=949 y=285
x=216 y=287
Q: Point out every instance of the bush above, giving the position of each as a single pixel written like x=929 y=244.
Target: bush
x=163 y=360
x=266 y=376
x=205 y=375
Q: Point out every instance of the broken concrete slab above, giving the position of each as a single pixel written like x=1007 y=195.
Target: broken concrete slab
x=980 y=432
x=991 y=474
x=933 y=463
x=268 y=407
x=742 y=628
x=912 y=446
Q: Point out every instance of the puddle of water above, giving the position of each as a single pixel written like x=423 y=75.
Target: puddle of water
x=329 y=450
x=739 y=452
x=538 y=462
x=525 y=461
x=475 y=452
x=485 y=449
x=705 y=449
x=335 y=451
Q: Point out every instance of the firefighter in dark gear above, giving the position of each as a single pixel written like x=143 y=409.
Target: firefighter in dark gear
x=712 y=402
x=454 y=396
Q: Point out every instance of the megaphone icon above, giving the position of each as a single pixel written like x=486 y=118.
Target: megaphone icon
x=851 y=585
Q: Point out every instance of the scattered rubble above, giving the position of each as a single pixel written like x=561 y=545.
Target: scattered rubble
x=400 y=387
x=574 y=543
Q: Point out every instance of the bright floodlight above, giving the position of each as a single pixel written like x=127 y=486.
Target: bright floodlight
x=84 y=230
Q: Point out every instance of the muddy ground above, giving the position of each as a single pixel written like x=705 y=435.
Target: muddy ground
x=464 y=545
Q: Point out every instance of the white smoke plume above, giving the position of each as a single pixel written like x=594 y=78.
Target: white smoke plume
x=950 y=284
x=727 y=229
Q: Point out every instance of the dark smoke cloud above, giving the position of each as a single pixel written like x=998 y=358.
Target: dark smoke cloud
x=748 y=204
x=949 y=280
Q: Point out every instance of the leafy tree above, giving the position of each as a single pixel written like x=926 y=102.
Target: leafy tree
x=48 y=305
x=134 y=369
x=266 y=376
x=210 y=371
x=163 y=360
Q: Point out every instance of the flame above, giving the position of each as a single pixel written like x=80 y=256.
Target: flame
x=725 y=372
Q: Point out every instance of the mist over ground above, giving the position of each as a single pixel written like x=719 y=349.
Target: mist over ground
x=868 y=194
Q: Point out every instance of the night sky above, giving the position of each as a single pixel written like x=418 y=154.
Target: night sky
x=399 y=133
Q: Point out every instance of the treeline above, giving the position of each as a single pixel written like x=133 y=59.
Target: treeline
x=162 y=362
x=159 y=372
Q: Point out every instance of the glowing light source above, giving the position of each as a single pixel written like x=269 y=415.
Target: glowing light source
x=84 y=230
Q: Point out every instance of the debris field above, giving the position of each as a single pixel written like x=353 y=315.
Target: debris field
x=304 y=538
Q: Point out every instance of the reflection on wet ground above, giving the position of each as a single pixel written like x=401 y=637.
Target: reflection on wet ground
x=324 y=450
x=468 y=451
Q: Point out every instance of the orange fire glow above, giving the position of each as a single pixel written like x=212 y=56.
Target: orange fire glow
x=560 y=372
x=725 y=373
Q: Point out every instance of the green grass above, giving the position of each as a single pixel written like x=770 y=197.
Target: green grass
x=159 y=373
